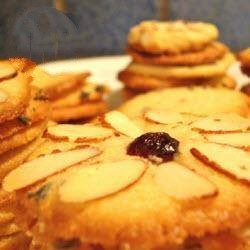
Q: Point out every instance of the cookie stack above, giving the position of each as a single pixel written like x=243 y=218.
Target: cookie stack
x=119 y=185
x=23 y=118
x=172 y=54
x=72 y=97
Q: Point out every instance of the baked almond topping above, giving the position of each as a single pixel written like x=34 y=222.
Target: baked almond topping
x=122 y=124
x=164 y=116
x=78 y=133
x=100 y=180
x=179 y=182
x=241 y=140
x=3 y=96
x=227 y=159
x=6 y=71
x=221 y=123
x=40 y=168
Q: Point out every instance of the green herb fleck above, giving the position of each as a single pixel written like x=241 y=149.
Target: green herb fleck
x=41 y=96
x=100 y=88
x=84 y=95
x=67 y=244
x=40 y=193
x=24 y=119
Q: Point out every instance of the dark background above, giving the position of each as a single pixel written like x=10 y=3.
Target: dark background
x=35 y=29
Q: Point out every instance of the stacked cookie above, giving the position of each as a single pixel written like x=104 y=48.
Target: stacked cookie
x=23 y=118
x=166 y=180
x=244 y=58
x=72 y=97
x=172 y=54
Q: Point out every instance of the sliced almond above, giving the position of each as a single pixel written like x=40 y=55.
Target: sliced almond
x=100 y=180
x=241 y=140
x=45 y=166
x=3 y=96
x=122 y=124
x=6 y=71
x=179 y=182
x=221 y=123
x=164 y=116
x=226 y=159
x=79 y=133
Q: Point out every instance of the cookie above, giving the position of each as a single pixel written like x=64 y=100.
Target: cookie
x=143 y=83
x=14 y=97
x=209 y=54
x=197 y=100
x=7 y=71
x=244 y=57
x=131 y=189
x=15 y=157
x=72 y=98
x=83 y=111
x=174 y=37
x=225 y=81
x=22 y=137
x=86 y=93
x=56 y=86
x=22 y=64
x=180 y=72
x=36 y=111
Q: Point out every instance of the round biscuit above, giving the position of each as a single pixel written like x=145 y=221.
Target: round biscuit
x=140 y=83
x=85 y=110
x=171 y=37
x=86 y=93
x=58 y=85
x=196 y=100
x=209 y=54
x=22 y=137
x=182 y=72
x=142 y=214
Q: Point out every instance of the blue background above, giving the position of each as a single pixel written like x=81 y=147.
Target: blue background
x=32 y=28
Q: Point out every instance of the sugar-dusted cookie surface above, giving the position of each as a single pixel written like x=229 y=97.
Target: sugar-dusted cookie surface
x=171 y=37
x=131 y=188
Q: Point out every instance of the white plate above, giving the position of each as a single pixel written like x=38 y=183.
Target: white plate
x=104 y=70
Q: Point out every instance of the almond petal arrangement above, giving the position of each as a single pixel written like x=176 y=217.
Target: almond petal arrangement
x=89 y=169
